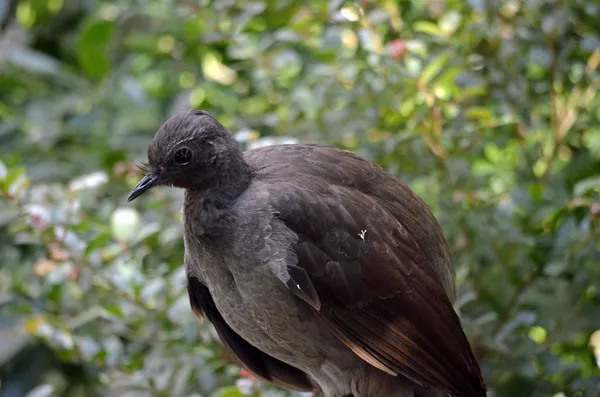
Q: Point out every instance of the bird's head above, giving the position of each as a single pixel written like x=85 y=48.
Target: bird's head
x=186 y=152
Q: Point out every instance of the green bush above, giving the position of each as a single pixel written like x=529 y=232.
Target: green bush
x=489 y=110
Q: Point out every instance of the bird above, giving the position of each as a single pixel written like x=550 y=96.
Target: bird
x=320 y=271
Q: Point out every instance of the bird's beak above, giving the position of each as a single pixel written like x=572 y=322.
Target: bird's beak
x=146 y=183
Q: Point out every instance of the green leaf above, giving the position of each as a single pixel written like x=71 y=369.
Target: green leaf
x=450 y=22
x=14 y=181
x=480 y=113
x=92 y=48
x=482 y=167
x=3 y=171
x=98 y=242
x=538 y=334
x=215 y=70
x=429 y=28
x=448 y=76
x=493 y=153
x=432 y=69
x=33 y=61
x=231 y=391
x=585 y=185
x=44 y=390
x=12 y=175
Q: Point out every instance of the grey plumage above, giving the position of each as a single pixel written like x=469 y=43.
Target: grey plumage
x=319 y=270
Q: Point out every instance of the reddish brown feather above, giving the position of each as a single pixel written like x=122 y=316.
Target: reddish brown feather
x=198 y=313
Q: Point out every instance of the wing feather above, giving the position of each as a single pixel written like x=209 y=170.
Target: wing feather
x=378 y=264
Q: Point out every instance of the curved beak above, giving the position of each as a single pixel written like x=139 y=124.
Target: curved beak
x=146 y=183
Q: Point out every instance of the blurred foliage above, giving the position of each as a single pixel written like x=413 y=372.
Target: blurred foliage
x=489 y=109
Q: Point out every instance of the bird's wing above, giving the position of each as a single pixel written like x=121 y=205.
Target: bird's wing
x=255 y=361
x=368 y=277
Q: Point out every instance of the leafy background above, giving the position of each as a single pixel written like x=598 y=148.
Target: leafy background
x=488 y=109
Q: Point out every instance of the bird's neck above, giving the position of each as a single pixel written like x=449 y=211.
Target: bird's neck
x=207 y=208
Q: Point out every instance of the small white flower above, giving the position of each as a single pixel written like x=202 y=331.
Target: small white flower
x=89 y=181
x=125 y=223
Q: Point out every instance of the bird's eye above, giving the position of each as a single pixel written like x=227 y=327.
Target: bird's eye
x=183 y=156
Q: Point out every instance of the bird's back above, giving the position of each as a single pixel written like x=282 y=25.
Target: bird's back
x=313 y=164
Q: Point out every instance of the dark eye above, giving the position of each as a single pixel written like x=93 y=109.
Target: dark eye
x=183 y=156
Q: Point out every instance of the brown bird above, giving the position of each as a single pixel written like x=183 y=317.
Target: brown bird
x=320 y=271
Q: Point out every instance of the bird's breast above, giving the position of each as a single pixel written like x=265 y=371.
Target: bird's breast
x=249 y=293
x=246 y=276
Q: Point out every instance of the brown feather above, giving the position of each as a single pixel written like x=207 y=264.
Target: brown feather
x=378 y=262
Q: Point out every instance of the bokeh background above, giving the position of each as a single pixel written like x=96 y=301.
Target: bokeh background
x=489 y=109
